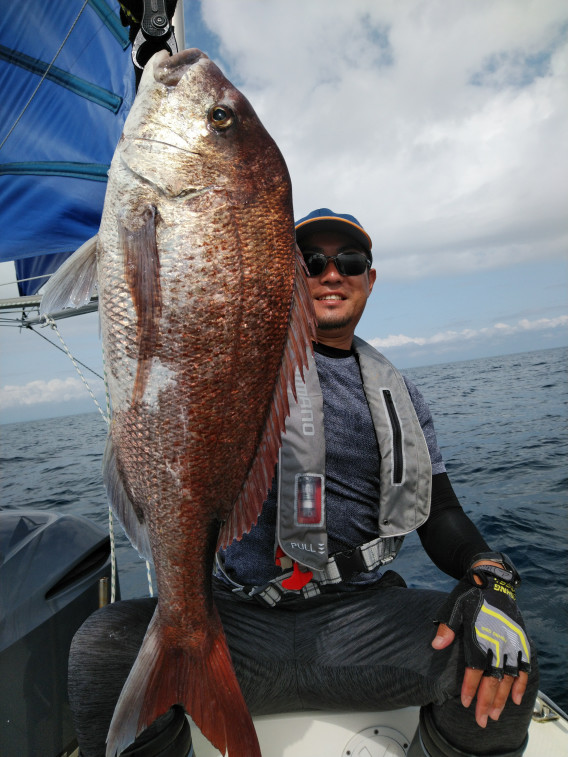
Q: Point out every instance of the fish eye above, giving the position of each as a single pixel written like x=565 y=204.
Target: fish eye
x=221 y=117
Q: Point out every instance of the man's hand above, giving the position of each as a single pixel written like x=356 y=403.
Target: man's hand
x=495 y=643
x=492 y=693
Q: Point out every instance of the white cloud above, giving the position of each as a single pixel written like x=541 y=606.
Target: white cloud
x=447 y=338
x=440 y=126
x=41 y=392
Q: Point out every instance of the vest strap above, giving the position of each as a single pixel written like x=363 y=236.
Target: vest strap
x=339 y=568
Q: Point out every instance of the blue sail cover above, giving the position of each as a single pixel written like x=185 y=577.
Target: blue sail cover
x=57 y=140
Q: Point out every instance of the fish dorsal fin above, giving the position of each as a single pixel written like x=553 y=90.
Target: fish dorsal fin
x=72 y=285
x=132 y=522
x=301 y=334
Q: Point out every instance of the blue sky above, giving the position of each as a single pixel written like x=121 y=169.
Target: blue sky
x=441 y=126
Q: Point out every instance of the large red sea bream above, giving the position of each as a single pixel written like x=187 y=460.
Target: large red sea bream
x=205 y=315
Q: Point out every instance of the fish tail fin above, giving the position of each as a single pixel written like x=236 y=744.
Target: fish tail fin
x=204 y=682
x=217 y=705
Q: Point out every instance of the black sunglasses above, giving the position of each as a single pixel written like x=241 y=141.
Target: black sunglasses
x=347 y=263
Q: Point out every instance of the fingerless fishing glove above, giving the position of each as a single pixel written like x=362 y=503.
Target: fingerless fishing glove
x=495 y=640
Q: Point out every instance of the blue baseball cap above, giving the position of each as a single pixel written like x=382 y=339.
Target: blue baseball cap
x=325 y=219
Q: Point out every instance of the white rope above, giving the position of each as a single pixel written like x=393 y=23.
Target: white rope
x=110 y=518
x=49 y=321
x=149 y=577
x=21 y=281
x=112 y=556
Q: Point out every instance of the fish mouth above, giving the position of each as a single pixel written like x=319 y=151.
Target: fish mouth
x=170 y=69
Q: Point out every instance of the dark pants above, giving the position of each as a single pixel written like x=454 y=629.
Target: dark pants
x=368 y=650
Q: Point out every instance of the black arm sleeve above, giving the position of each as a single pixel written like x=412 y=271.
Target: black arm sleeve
x=449 y=537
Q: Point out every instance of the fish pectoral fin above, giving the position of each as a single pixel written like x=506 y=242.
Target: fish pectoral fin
x=130 y=519
x=142 y=272
x=72 y=285
x=301 y=334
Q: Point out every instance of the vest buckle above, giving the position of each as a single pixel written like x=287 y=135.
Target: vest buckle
x=349 y=563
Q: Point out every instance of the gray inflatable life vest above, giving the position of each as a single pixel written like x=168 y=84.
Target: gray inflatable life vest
x=405 y=467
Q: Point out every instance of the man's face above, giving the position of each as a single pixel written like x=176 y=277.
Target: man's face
x=339 y=300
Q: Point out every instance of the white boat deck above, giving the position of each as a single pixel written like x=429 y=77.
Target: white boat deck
x=369 y=734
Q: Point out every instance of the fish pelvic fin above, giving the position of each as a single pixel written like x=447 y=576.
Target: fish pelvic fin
x=301 y=335
x=204 y=682
x=131 y=520
x=71 y=286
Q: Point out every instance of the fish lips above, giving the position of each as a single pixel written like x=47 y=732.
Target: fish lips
x=170 y=69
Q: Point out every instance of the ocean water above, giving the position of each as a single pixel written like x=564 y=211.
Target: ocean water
x=502 y=427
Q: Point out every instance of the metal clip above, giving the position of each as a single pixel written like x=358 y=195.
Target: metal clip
x=156 y=33
x=543 y=711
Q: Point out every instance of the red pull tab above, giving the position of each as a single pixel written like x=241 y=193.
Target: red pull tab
x=298 y=579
